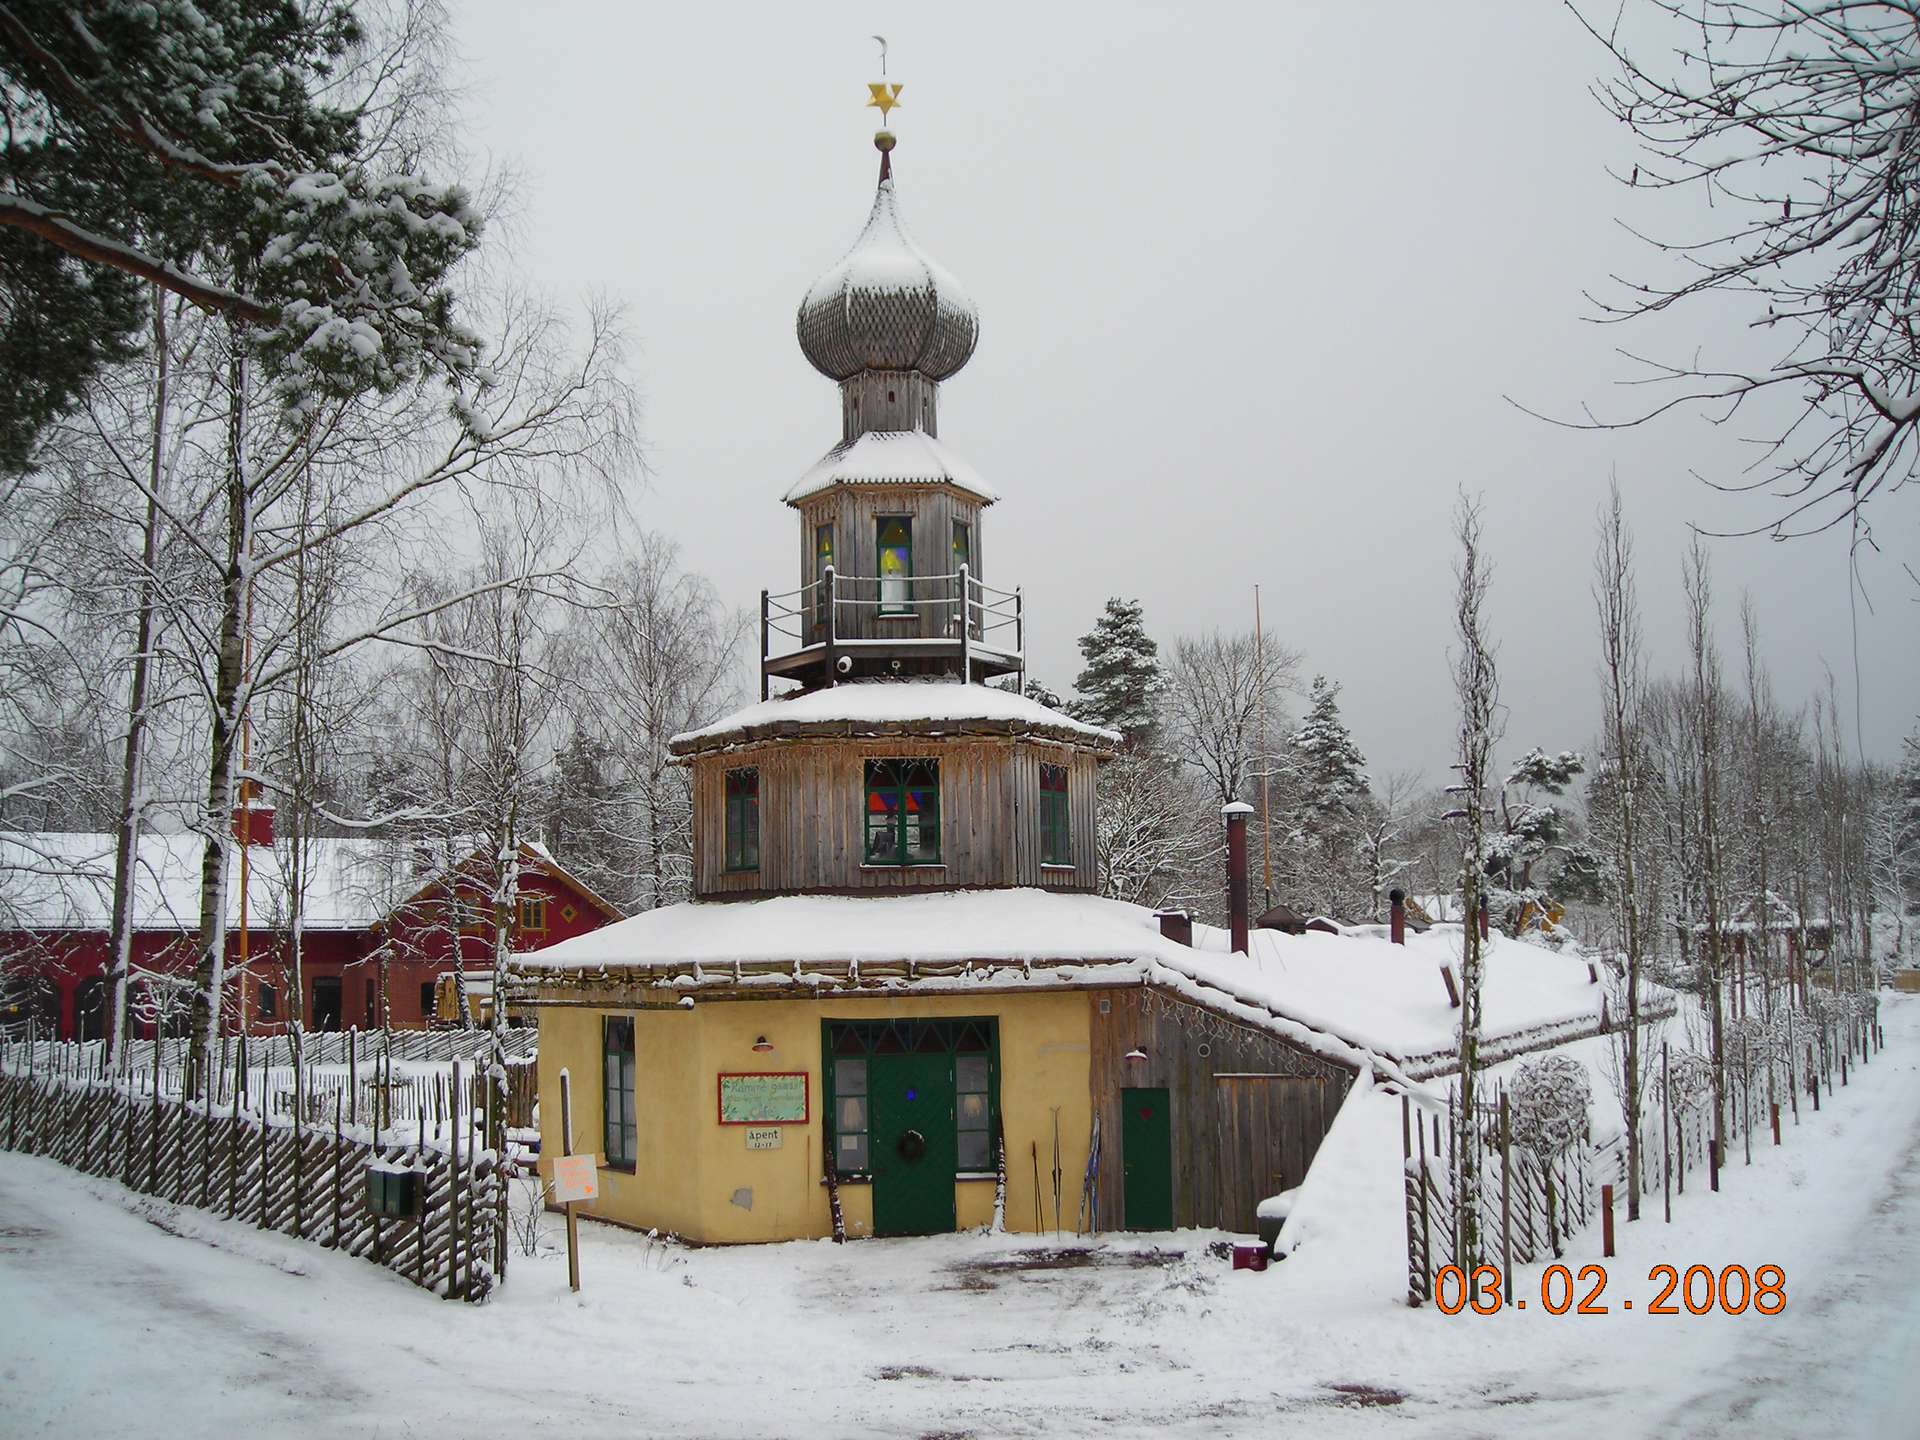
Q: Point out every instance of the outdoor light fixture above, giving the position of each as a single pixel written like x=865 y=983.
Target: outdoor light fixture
x=762 y=1045
x=1135 y=1054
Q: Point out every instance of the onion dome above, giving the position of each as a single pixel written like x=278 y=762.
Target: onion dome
x=887 y=306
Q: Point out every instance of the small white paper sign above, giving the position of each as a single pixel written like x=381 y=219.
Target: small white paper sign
x=763 y=1137
x=575 y=1177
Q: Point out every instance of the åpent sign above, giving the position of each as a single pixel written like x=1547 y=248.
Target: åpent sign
x=764 y=1097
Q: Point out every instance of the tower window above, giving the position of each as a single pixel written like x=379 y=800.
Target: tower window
x=894 y=542
x=903 y=812
x=890 y=397
x=822 y=562
x=743 y=819
x=1056 y=826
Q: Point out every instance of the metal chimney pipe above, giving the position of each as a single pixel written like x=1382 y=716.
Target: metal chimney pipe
x=1236 y=813
x=1397 y=916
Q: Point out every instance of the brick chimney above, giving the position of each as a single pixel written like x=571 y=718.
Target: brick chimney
x=1397 y=916
x=1236 y=813
x=252 y=821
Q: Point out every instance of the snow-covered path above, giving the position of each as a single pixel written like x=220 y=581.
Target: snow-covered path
x=120 y=1314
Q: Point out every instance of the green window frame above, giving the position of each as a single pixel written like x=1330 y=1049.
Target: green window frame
x=902 y=812
x=962 y=545
x=1056 y=824
x=743 y=819
x=621 y=1125
x=893 y=551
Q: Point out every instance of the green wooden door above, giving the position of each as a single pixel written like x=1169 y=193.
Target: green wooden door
x=1146 y=1158
x=913 y=1147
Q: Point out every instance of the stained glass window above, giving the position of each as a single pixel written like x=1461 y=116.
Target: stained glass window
x=1056 y=832
x=895 y=544
x=903 y=812
x=822 y=562
x=743 y=819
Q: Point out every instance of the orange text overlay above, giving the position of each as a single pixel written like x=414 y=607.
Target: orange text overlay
x=1698 y=1290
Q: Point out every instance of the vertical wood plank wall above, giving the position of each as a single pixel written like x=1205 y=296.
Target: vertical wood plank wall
x=1247 y=1116
x=855 y=516
x=813 y=816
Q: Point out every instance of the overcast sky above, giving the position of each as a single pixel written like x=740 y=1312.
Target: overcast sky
x=1254 y=282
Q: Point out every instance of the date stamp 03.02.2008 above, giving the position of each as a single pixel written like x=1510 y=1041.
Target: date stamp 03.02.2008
x=1698 y=1290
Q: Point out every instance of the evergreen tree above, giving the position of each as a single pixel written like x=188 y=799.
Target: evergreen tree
x=1330 y=767
x=1121 y=685
x=1328 y=802
x=216 y=149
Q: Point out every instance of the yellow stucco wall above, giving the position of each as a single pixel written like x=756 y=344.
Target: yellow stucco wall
x=690 y=1167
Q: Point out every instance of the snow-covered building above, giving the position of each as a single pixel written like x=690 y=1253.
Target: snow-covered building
x=896 y=984
x=369 y=909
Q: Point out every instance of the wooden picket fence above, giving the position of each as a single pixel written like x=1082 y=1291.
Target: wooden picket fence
x=279 y=1173
x=356 y=1064
x=1676 y=1144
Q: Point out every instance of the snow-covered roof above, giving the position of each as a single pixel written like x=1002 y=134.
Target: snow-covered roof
x=891 y=457
x=1353 y=998
x=896 y=706
x=886 y=305
x=64 y=881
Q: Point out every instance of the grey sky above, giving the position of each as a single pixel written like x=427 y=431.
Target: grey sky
x=1253 y=281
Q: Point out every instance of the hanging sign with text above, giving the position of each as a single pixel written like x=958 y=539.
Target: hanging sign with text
x=764 y=1098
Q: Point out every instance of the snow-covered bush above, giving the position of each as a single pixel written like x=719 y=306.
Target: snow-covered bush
x=1691 y=1075
x=1548 y=1104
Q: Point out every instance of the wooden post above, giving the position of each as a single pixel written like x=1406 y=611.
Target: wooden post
x=1506 y=1194
x=1666 y=1131
x=566 y=1148
x=353 y=1074
x=1713 y=1166
x=1426 y=1224
x=966 y=629
x=453 y=1183
x=1406 y=1199
x=763 y=645
x=266 y=1156
x=1606 y=1221
x=833 y=670
x=338 y=1198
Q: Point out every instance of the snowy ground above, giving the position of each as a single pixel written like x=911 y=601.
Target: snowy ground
x=122 y=1315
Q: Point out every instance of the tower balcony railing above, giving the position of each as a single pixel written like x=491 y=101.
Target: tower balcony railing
x=840 y=626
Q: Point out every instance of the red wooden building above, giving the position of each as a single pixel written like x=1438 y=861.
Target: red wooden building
x=374 y=911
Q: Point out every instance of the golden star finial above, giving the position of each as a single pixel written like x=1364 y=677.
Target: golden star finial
x=884 y=97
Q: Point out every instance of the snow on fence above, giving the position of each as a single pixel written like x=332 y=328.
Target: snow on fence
x=337 y=1047
x=349 y=1063
x=280 y=1172
x=1529 y=1205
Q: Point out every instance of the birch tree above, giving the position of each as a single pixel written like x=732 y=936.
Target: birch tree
x=1476 y=685
x=1623 y=682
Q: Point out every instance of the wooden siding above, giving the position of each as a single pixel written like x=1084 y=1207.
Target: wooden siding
x=855 y=516
x=813 y=812
x=1248 y=1114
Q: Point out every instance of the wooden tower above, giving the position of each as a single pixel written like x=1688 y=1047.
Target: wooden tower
x=849 y=783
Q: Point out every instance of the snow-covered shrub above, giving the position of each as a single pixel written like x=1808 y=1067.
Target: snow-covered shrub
x=1749 y=1042
x=1548 y=1104
x=1691 y=1074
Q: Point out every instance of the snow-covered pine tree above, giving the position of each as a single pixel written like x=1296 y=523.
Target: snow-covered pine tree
x=219 y=150
x=1328 y=802
x=1120 y=686
x=1331 y=768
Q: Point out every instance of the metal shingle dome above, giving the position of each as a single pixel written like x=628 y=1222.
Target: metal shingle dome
x=886 y=305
